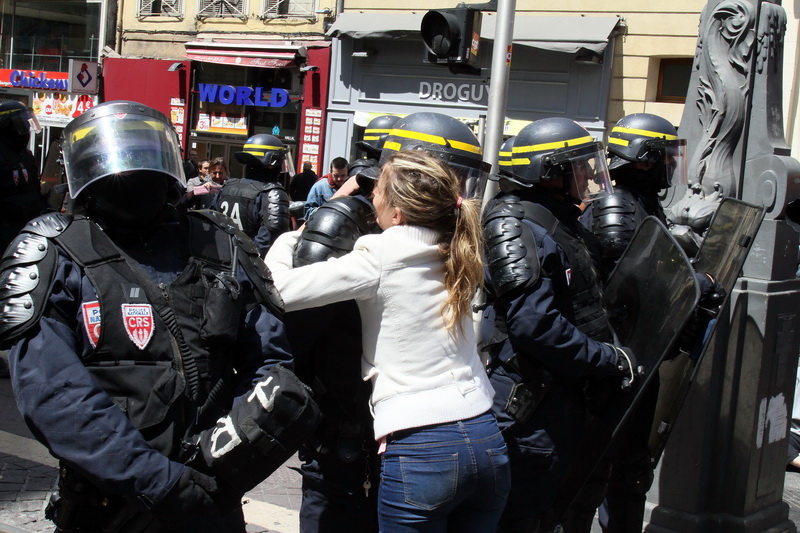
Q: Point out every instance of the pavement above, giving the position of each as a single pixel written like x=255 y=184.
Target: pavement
x=28 y=474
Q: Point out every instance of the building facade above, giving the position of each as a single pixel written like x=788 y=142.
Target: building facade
x=315 y=71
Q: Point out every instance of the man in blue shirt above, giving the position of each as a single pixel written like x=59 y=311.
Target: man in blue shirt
x=324 y=189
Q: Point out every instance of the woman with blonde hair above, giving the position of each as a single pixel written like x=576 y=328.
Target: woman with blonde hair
x=444 y=461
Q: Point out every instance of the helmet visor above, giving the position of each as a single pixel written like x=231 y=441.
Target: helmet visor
x=473 y=180
x=120 y=143
x=672 y=153
x=23 y=121
x=585 y=169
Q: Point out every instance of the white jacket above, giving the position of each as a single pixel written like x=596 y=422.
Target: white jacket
x=420 y=374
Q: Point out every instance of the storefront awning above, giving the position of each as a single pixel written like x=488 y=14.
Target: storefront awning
x=559 y=34
x=246 y=54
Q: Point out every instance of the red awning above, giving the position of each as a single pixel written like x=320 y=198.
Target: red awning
x=253 y=58
x=254 y=55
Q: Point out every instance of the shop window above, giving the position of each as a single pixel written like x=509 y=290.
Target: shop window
x=222 y=8
x=289 y=8
x=673 y=79
x=160 y=8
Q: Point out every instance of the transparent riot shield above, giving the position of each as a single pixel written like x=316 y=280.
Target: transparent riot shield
x=649 y=297
x=722 y=254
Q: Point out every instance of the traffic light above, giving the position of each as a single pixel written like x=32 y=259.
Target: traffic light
x=452 y=36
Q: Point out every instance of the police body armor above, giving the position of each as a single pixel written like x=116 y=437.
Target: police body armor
x=513 y=263
x=513 y=266
x=616 y=216
x=334 y=229
x=200 y=312
x=237 y=200
x=331 y=364
x=174 y=387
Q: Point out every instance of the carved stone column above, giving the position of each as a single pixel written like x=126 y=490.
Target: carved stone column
x=723 y=468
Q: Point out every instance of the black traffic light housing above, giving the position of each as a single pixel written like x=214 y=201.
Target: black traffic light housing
x=452 y=36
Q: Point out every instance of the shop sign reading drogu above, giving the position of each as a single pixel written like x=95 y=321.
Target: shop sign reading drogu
x=462 y=92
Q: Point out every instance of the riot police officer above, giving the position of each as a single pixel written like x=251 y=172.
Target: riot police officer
x=258 y=203
x=20 y=191
x=646 y=156
x=375 y=135
x=137 y=326
x=341 y=469
x=553 y=334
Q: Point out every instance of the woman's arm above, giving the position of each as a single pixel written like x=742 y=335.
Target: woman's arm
x=351 y=277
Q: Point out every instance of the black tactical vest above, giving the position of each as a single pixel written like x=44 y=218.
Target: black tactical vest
x=237 y=200
x=578 y=291
x=163 y=353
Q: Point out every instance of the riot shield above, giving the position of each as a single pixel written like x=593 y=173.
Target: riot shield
x=648 y=297
x=722 y=254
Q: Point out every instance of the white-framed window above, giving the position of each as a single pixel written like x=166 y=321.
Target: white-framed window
x=289 y=8
x=222 y=8
x=160 y=8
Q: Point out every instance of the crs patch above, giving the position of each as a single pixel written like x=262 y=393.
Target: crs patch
x=139 y=323
x=91 y=321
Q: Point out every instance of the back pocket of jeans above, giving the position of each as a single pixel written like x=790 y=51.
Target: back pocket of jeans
x=502 y=470
x=430 y=482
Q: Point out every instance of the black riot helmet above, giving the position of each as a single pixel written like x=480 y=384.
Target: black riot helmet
x=16 y=123
x=263 y=151
x=375 y=135
x=123 y=165
x=553 y=148
x=504 y=157
x=646 y=138
x=446 y=138
x=119 y=137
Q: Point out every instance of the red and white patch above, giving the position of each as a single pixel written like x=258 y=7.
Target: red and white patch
x=91 y=321
x=568 y=273
x=138 y=320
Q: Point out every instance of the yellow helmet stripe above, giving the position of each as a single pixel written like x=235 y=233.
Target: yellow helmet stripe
x=435 y=139
x=644 y=133
x=553 y=145
x=621 y=142
x=375 y=130
x=77 y=135
x=391 y=145
x=370 y=138
x=262 y=147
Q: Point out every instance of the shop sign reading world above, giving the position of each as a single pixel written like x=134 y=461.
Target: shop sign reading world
x=228 y=94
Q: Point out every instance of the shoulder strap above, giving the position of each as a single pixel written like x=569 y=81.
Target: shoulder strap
x=536 y=213
x=240 y=250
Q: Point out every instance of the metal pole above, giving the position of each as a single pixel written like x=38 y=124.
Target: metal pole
x=498 y=89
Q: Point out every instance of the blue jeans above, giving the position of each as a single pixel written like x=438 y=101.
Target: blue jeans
x=449 y=477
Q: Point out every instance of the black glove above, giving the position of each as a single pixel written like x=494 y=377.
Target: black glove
x=195 y=494
x=712 y=295
x=632 y=373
